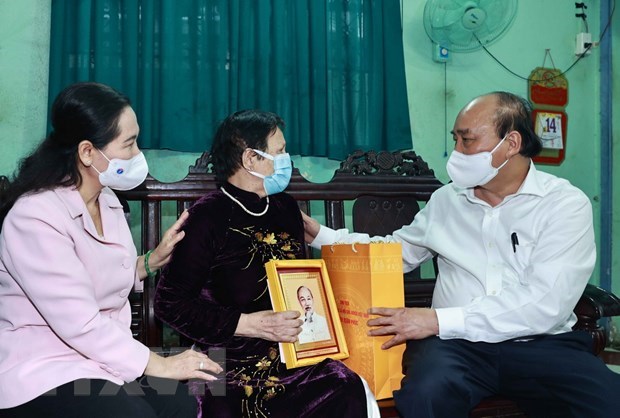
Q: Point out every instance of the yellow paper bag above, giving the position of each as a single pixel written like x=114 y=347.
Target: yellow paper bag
x=365 y=275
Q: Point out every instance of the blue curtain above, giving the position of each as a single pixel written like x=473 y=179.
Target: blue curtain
x=333 y=69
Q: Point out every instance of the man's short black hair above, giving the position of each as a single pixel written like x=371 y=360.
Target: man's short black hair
x=514 y=113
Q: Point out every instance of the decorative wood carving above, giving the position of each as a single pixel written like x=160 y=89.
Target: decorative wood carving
x=403 y=163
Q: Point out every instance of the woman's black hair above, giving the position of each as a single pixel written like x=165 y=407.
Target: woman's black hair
x=82 y=111
x=239 y=131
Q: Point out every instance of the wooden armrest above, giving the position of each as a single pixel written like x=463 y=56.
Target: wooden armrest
x=597 y=303
x=4 y=185
x=594 y=304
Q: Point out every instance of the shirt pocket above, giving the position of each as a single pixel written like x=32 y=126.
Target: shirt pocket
x=522 y=256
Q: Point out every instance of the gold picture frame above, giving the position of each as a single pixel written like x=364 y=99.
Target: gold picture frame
x=304 y=286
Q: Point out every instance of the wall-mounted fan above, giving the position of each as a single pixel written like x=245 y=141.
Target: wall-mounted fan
x=465 y=25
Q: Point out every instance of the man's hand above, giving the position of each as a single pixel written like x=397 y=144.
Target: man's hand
x=311 y=227
x=404 y=323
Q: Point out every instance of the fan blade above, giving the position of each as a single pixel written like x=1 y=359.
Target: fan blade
x=443 y=18
x=460 y=37
x=446 y=14
x=485 y=34
x=500 y=16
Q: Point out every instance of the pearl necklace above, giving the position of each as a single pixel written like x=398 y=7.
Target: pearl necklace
x=243 y=207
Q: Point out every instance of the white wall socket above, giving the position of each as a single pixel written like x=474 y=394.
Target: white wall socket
x=583 y=40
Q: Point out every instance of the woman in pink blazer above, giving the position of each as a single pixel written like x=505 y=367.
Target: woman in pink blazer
x=67 y=265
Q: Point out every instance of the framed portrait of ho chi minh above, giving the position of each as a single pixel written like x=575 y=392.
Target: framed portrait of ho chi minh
x=304 y=286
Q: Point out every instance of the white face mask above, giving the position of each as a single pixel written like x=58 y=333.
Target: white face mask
x=473 y=170
x=123 y=174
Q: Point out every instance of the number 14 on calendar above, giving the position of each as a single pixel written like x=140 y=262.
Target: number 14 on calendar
x=549 y=129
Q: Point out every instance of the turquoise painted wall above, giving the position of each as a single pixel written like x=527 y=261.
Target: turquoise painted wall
x=539 y=25
x=24 y=57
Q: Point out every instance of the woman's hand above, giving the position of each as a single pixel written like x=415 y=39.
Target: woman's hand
x=189 y=364
x=311 y=227
x=160 y=256
x=268 y=325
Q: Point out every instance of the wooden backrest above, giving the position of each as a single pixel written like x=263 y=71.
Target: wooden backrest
x=386 y=189
x=382 y=215
x=4 y=184
x=399 y=177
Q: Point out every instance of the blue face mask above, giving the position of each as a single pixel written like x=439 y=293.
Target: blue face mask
x=282 y=170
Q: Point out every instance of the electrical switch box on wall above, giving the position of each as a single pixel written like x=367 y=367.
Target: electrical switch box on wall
x=583 y=43
x=440 y=53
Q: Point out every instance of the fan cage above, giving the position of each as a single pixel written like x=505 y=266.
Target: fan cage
x=444 y=22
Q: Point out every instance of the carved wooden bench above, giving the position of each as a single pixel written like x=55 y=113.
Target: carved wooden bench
x=373 y=192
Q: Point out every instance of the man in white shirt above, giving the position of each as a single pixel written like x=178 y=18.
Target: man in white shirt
x=314 y=327
x=515 y=249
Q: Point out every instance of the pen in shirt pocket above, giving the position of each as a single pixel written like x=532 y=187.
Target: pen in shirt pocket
x=515 y=241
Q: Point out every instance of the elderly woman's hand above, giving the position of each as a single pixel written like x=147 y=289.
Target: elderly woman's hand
x=189 y=364
x=268 y=325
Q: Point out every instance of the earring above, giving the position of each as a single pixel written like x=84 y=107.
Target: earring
x=88 y=163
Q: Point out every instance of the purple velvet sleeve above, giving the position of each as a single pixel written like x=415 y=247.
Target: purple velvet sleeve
x=183 y=298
